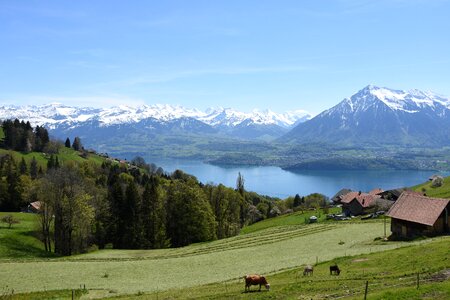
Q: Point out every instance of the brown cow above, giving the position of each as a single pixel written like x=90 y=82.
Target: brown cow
x=308 y=270
x=255 y=280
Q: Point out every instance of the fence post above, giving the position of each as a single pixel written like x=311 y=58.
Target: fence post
x=365 y=292
x=72 y=295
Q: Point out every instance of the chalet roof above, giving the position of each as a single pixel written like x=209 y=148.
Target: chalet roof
x=340 y=194
x=36 y=205
x=376 y=191
x=347 y=198
x=367 y=200
x=364 y=199
x=395 y=192
x=414 y=207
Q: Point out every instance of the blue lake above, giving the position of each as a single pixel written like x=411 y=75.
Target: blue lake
x=276 y=182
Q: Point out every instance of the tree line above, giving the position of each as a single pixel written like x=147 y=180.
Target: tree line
x=126 y=205
x=20 y=136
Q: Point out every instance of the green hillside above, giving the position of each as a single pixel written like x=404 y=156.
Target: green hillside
x=391 y=274
x=64 y=155
x=114 y=272
x=21 y=241
x=438 y=192
x=296 y=218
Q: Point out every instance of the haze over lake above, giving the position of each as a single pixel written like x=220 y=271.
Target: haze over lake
x=276 y=182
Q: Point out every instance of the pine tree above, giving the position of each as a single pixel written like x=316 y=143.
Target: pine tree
x=153 y=215
x=23 y=167
x=77 y=144
x=33 y=168
x=297 y=200
x=56 y=166
x=67 y=143
x=51 y=163
x=14 y=187
x=133 y=224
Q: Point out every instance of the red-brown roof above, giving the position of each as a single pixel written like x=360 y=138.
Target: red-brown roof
x=36 y=205
x=347 y=198
x=364 y=199
x=414 y=207
x=376 y=191
x=367 y=200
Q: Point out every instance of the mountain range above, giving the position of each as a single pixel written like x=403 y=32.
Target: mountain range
x=380 y=116
x=374 y=116
x=65 y=120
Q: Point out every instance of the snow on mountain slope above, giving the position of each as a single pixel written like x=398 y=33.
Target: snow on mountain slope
x=376 y=115
x=408 y=101
x=231 y=117
x=54 y=113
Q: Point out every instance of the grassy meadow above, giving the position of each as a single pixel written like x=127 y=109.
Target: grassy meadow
x=438 y=192
x=108 y=273
x=391 y=274
x=64 y=155
x=21 y=241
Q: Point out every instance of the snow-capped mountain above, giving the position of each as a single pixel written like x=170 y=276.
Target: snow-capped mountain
x=376 y=115
x=231 y=117
x=63 y=120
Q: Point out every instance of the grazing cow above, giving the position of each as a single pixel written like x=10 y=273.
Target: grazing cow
x=335 y=269
x=255 y=280
x=308 y=270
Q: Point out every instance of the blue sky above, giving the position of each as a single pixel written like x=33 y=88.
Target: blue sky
x=281 y=55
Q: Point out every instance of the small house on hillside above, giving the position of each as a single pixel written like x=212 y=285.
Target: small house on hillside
x=392 y=195
x=34 y=207
x=415 y=215
x=376 y=191
x=357 y=203
x=338 y=197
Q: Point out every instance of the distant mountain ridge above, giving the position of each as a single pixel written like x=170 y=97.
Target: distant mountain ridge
x=158 y=119
x=380 y=116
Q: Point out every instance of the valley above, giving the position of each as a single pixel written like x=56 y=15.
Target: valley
x=376 y=128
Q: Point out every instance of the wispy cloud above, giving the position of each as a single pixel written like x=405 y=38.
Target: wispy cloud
x=171 y=76
x=82 y=101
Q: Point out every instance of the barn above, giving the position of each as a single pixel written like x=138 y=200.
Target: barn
x=414 y=214
x=357 y=203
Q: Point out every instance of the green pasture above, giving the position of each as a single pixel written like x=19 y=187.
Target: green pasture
x=64 y=155
x=21 y=241
x=297 y=218
x=268 y=251
x=438 y=192
x=390 y=274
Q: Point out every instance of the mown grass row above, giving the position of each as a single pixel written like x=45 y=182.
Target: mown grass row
x=391 y=275
x=102 y=271
x=296 y=218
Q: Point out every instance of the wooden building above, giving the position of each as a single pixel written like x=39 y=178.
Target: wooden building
x=416 y=215
x=357 y=203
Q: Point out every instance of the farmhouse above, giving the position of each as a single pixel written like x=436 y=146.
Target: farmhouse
x=392 y=194
x=338 y=197
x=357 y=203
x=33 y=207
x=414 y=215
